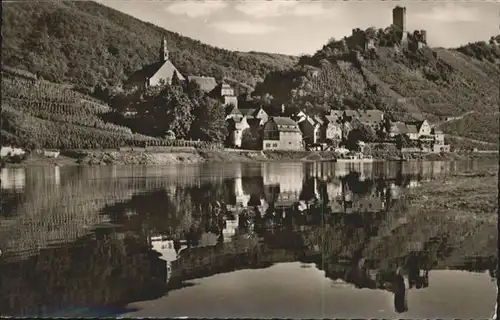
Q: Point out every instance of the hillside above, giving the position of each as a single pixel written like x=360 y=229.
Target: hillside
x=85 y=43
x=41 y=114
x=425 y=83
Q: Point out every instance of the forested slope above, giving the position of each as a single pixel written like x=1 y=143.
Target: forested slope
x=85 y=43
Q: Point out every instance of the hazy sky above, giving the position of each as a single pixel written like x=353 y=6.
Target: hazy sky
x=296 y=27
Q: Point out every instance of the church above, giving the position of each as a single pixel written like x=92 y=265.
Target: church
x=164 y=69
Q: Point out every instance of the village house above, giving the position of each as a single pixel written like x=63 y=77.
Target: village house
x=333 y=129
x=235 y=127
x=373 y=118
x=282 y=133
x=255 y=116
x=225 y=93
x=398 y=128
x=154 y=74
x=310 y=128
x=233 y=112
x=238 y=120
x=438 y=136
x=11 y=151
x=419 y=130
x=350 y=115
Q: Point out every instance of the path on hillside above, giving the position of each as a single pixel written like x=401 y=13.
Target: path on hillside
x=459 y=117
x=469 y=139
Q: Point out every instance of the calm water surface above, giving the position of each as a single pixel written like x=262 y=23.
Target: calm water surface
x=294 y=240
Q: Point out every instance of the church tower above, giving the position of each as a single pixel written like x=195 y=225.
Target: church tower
x=164 y=50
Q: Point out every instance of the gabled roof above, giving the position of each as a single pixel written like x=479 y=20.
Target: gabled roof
x=251 y=112
x=147 y=72
x=337 y=113
x=332 y=119
x=207 y=84
x=417 y=124
x=234 y=111
x=399 y=128
x=286 y=124
x=412 y=128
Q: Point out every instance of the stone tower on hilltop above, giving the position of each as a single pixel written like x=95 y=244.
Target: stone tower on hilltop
x=399 y=21
x=163 y=50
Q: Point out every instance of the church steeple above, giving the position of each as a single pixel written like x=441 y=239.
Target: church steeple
x=164 y=50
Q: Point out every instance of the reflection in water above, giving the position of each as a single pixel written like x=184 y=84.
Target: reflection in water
x=13 y=178
x=94 y=238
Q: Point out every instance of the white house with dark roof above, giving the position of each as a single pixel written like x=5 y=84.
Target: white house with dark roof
x=255 y=116
x=224 y=92
x=310 y=128
x=236 y=125
x=333 y=128
x=281 y=133
x=373 y=118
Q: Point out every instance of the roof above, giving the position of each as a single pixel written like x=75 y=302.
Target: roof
x=337 y=113
x=286 y=124
x=207 y=84
x=284 y=121
x=351 y=113
x=417 y=124
x=371 y=115
x=399 y=128
x=412 y=128
x=234 y=111
x=332 y=119
x=167 y=71
x=250 y=112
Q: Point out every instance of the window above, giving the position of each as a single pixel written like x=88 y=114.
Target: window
x=268 y=145
x=275 y=145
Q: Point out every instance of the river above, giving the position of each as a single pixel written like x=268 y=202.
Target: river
x=294 y=240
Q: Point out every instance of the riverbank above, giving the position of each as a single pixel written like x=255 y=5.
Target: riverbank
x=186 y=155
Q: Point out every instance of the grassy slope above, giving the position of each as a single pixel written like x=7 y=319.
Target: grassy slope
x=86 y=43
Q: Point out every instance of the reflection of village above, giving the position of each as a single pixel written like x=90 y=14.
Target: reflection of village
x=327 y=214
x=266 y=208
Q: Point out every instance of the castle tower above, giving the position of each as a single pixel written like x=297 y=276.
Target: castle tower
x=399 y=18
x=399 y=21
x=164 y=50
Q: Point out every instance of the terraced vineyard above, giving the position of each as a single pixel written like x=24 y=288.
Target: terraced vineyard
x=41 y=114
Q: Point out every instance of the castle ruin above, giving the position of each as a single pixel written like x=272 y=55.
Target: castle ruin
x=362 y=41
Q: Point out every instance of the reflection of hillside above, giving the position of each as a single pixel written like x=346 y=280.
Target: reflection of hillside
x=61 y=207
x=86 y=274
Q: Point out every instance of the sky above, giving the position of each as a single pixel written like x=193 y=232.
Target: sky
x=302 y=27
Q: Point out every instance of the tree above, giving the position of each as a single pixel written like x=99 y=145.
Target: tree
x=361 y=132
x=209 y=121
x=163 y=108
x=402 y=141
